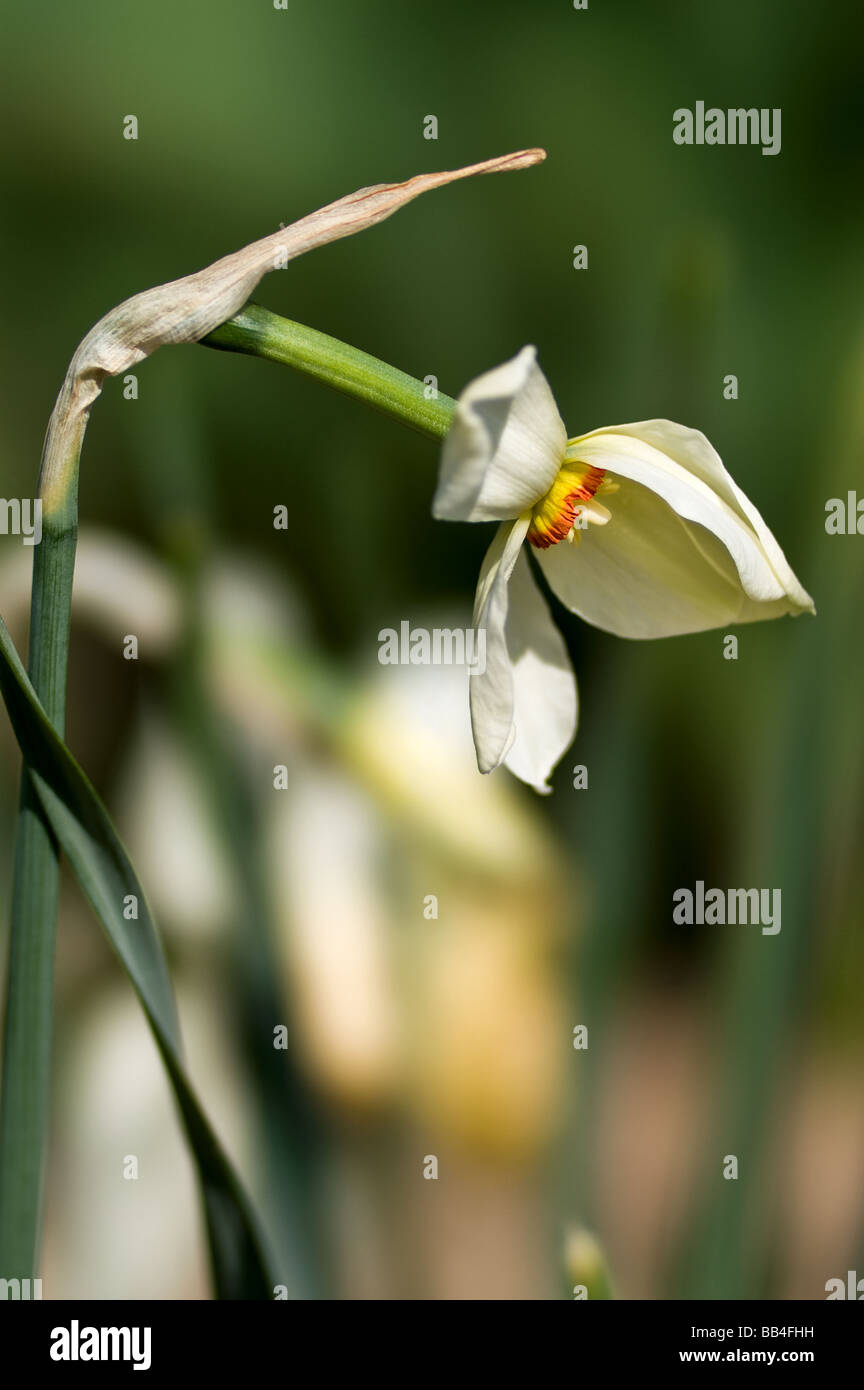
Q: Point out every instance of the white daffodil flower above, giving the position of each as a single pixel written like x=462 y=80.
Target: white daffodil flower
x=637 y=528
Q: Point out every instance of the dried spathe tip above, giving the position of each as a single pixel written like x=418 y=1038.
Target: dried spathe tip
x=186 y=310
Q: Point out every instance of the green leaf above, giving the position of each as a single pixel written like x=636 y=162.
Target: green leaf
x=87 y=836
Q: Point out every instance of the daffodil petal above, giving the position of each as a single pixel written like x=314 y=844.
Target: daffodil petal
x=504 y=447
x=651 y=572
x=696 y=454
x=523 y=704
x=545 y=700
x=690 y=497
x=491 y=691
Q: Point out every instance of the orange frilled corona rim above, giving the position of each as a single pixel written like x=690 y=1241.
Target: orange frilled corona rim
x=554 y=516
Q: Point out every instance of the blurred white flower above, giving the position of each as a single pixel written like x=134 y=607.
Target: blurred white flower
x=457 y=1017
x=679 y=548
x=407 y=739
x=120 y=587
x=170 y=827
x=122 y=1217
x=333 y=935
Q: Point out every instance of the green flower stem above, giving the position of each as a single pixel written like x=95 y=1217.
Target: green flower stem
x=258 y=332
x=25 y=1100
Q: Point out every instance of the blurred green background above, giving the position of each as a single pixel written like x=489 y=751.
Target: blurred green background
x=452 y=1037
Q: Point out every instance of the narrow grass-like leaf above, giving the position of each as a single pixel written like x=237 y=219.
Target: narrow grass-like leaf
x=27 y=1024
x=87 y=836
